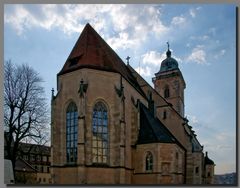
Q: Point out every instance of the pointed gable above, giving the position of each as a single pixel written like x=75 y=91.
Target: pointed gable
x=91 y=51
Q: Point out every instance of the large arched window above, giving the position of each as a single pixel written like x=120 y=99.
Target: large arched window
x=71 y=133
x=166 y=92
x=149 y=162
x=100 y=133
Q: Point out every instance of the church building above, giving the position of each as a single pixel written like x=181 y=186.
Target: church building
x=109 y=126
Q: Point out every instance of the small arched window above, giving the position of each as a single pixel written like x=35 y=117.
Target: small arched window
x=166 y=92
x=149 y=162
x=71 y=133
x=100 y=133
x=164 y=114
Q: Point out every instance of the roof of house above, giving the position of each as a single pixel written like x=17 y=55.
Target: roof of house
x=91 y=51
x=152 y=129
x=22 y=165
x=34 y=149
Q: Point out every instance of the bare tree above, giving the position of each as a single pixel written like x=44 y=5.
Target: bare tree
x=26 y=114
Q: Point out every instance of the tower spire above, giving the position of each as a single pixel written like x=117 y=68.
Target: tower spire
x=168 y=51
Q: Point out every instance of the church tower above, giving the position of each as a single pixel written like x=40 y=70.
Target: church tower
x=170 y=84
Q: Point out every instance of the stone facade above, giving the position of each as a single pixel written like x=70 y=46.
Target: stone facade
x=147 y=138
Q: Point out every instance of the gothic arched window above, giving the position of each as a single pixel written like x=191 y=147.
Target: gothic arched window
x=71 y=133
x=149 y=161
x=100 y=133
x=166 y=92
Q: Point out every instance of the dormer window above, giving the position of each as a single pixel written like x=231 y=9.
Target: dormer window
x=74 y=60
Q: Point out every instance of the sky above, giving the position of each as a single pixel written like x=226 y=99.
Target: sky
x=202 y=39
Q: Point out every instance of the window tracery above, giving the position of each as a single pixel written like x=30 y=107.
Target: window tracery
x=100 y=133
x=71 y=133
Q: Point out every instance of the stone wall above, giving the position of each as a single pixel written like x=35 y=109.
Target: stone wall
x=168 y=164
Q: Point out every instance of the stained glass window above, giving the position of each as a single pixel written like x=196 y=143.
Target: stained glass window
x=100 y=133
x=71 y=133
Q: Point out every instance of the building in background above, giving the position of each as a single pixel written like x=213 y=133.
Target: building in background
x=39 y=158
x=109 y=126
x=33 y=164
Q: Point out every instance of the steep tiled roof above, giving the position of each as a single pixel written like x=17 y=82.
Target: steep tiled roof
x=152 y=130
x=91 y=51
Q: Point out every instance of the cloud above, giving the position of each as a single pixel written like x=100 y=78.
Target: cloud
x=153 y=58
x=178 y=20
x=223 y=137
x=220 y=54
x=122 y=41
x=200 y=38
x=193 y=11
x=192 y=120
x=198 y=55
x=144 y=71
x=52 y=16
x=212 y=31
x=135 y=20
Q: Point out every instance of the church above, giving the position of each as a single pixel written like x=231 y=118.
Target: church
x=109 y=126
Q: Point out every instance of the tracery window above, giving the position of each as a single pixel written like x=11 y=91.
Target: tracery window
x=71 y=133
x=149 y=161
x=100 y=133
x=166 y=92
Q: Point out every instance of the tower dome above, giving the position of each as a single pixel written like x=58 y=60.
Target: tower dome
x=208 y=161
x=169 y=63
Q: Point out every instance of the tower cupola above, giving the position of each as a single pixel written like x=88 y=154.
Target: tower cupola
x=169 y=63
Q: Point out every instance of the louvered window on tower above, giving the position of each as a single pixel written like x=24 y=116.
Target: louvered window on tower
x=164 y=114
x=166 y=92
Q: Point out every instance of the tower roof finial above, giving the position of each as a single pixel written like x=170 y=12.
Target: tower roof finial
x=127 y=59
x=168 y=51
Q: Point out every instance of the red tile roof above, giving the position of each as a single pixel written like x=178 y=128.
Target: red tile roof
x=91 y=51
